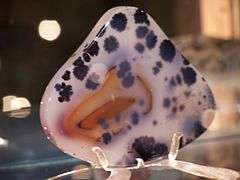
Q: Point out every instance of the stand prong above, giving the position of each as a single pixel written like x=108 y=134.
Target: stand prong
x=101 y=158
x=174 y=146
x=116 y=173
x=140 y=163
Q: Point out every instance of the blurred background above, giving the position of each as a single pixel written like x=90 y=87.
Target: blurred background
x=37 y=37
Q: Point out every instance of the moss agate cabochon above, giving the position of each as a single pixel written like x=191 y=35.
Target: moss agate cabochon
x=126 y=89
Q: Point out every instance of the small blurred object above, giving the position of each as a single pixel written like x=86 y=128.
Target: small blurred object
x=227 y=115
x=220 y=18
x=18 y=107
x=3 y=143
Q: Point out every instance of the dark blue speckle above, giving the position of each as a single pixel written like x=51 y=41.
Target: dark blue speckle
x=66 y=75
x=147 y=148
x=103 y=123
x=172 y=82
x=167 y=51
x=141 y=31
x=80 y=72
x=189 y=75
x=140 y=16
x=124 y=67
x=119 y=22
x=92 y=49
x=128 y=81
x=58 y=86
x=159 y=64
x=156 y=70
x=78 y=62
x=166 y=102
x=135 y=118
x=110 y=44
x=91 y=84
x=65 y=93
x=144 y=147
x=106 y=138
x=151 y=40
x=139 y=48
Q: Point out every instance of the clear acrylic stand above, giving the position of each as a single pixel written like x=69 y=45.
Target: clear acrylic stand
x=124 y=173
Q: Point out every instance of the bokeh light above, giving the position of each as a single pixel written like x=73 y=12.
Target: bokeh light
x=3 y=143
x=49 y=29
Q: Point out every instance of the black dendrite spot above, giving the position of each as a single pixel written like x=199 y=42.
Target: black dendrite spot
x=80 y=70
x=151 y=40
x=167 y=51
x=66 y=75
x=147 y=148
x=141 y=31
x=135 y=118
x=64 y=91
x=189 y=75
x=140 y=17
x=124 y=67
x=92 y=49
x=128 y=80
x=119 y=22
x=166 y=102
x=106 y=138
x=139 y=48
x=110 y=44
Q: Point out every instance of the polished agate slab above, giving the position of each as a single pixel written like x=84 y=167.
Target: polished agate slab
x=127 y=90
